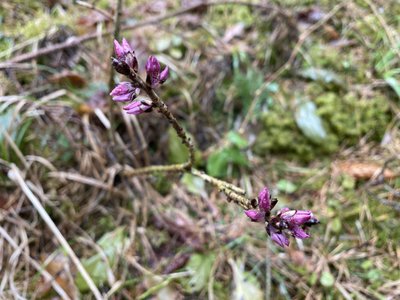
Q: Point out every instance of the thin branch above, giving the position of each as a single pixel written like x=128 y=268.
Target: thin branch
x=117 y=29
x=16 y=176
x=176 y=168
x=163 y=109
x=92 y=7
x=233 y=193
x=75 y=41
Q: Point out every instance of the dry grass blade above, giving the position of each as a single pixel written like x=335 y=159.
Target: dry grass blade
x=15 y=175
x=36 y=265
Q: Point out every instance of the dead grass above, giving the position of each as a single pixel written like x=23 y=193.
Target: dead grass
x=138 y=238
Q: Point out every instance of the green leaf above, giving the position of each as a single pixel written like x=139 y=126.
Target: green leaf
x=286 y=186
x=237 y=140
x=309 y=122
x=374 y=275
x=336 y=225
x=200 y=265
x=394 y=84
x=194 y=184
x=6 y=119
x=246 y=285
x=321 y=75
x=112 y=244
x=217 y=163
x=327 y=279
x=177 y=152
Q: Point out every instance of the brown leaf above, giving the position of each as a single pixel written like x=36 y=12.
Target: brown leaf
x=68 y=78
x=234 y=31
x=177 y=262
x=84 y=108
x=363 y=170
x=59 y=268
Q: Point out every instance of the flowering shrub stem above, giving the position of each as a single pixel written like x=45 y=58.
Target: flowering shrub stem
x=285 y=223
x=233 y=193
x=163 y=109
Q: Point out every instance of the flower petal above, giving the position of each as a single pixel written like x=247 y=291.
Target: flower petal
x=124 y=98
x=119 y=50
x=296 y=217
x=299 y=233
x=264 y=200
x=277 y=237
x=131 y=105
x=122 y=88
x=126 y=47
x=164 y=75
x=255 y=215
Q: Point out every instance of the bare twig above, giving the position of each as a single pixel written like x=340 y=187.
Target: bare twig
x=163 y=109
x=16 y=176
x=232 y=192
x=92 y=7
x=117 y=28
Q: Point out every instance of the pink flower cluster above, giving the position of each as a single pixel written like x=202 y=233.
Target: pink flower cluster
x=285 y=222
x=125 y=63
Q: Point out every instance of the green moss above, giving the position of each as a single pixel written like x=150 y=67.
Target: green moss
x=346 y=119
x=281 y=135
x=41 y=23
x=227 y=15
x=349 y=117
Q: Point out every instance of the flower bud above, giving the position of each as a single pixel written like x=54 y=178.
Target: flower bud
x=124 y=91
x=153 y=68
x=264 y=200
x=164 y=75
x=255 y=215
x=137 y=108
x=126 y=59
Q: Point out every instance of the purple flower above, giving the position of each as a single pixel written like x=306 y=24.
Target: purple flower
x=286 y=222
x=299 y=233
x=264 y=200
x=277 y=236
x=137 y=108
x=154 y=74
x=126 y=59
x=295 y=217
x=264 y=206
x=124 y=91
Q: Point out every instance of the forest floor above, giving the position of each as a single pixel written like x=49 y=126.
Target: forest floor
x=300 y=96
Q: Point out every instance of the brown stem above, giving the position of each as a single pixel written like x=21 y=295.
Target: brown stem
x=163 y=109
x=117 y=29
x=232 y=192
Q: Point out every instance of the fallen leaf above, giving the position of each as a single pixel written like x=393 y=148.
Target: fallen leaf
x=68 y=78
x=234 y=31
x=362 y=170
x=59 y=268
x=247 y=286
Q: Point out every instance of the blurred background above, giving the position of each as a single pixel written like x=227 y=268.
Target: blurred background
x=301 y=96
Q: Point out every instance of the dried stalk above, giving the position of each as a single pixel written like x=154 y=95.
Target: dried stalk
x=16 y=176
x=233 y=193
